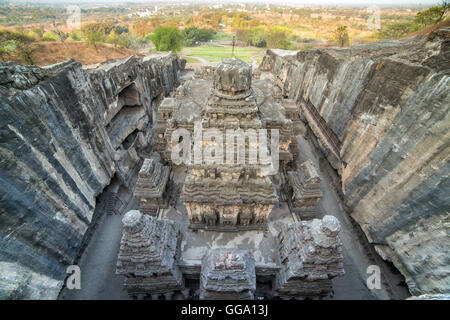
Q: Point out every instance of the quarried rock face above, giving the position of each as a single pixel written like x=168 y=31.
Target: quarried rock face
x=65 y=131
x=147 y=255
x=310 y=256
x=227 y=274
x=388 y=105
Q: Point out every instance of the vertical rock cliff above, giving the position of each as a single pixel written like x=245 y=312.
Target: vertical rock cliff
x=65 y=131
x=380 y=114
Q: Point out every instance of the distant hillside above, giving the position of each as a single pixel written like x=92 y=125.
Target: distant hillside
x=52 y=52
x=430 y=28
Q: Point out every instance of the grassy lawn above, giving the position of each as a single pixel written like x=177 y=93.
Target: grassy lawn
x=214 y=53
x=223 y=36
x=191 y=60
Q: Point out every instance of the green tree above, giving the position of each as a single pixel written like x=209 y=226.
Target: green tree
x=19 y=42
x=49 y=36
x=96 y=32
x=76 y=35
x=93 y=37
x=258 y=37
x=433 y=14
x=277 y=37
x=114 y=38
x=397 y=30
x=243 y=35
x=341 y=37
x=4 y=53
x=193 y=34
x=167 y=39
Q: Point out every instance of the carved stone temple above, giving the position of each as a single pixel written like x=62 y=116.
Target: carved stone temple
x=229 y=196
x=115 y=167
x=235 y=229
x=310 y=256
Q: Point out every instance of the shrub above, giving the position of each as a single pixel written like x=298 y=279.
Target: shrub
x=49 y=36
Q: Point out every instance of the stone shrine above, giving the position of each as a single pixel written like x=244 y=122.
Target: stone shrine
x=147 y=256
x=151 y=187
x=304 y=190
x=310 y=255
x=227 y=274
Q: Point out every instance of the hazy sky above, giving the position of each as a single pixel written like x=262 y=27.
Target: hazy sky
x=299 y=2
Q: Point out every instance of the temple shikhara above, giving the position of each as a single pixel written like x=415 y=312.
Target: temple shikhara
x=241 y=227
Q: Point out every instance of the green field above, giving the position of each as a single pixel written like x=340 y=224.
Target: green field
x=191 y=60
x=214 y=53
x=223 y=36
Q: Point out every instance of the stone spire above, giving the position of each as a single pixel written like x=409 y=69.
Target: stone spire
x=147 y=255
x=227 y=274
x=310 y=256
x=230 y=196
x=304 y=193
x=151 y=187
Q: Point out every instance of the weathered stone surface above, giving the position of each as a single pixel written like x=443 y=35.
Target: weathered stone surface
x=227 y=274
x=388 y=103
x=233 y=76
x=56 y=157
x=147 y=255
x=310 y=256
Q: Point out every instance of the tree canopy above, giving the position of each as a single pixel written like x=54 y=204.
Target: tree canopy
x=167 y=39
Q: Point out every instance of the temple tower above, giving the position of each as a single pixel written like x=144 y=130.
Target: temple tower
x=234 y=193
x=148 y=256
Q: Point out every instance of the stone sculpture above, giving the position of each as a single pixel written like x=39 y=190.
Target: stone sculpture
x=304 y=190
